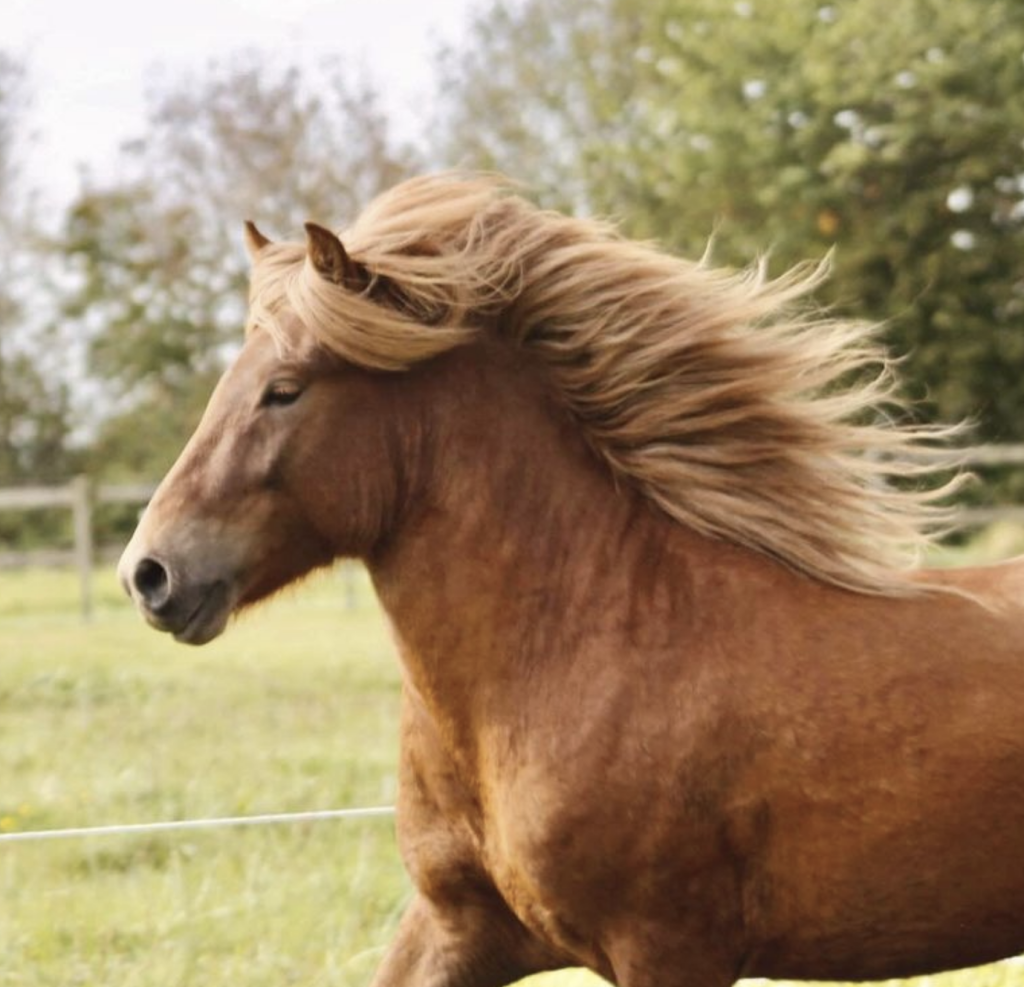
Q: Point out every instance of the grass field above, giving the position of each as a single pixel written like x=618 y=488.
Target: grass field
x=113 y=723
x=293 y=709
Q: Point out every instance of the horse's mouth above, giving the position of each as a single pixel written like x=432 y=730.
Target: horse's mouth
x=209 y=617
x=198 y=623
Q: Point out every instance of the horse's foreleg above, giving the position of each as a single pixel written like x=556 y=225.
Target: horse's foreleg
x=478 y=943
x=458 y=931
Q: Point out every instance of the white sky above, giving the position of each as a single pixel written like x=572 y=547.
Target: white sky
x=90 y=60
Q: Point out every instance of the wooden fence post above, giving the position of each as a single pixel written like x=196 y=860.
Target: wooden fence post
x=81 y=509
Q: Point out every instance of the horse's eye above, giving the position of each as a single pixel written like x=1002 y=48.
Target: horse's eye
x=280 y=393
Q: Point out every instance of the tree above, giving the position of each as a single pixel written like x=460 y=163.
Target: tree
x=893 y=131
x=34 y=409
x=35 y=420
x=159 y=274
x=540 y=91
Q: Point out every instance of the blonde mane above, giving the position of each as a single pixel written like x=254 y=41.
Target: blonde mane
x=740 y=412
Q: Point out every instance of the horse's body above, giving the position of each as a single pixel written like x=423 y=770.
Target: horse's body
x=625 y=744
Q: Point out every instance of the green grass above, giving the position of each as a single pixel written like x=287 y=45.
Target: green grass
x=109 y=722
x=112 y=723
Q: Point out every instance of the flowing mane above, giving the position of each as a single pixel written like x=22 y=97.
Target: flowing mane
x=739 y=411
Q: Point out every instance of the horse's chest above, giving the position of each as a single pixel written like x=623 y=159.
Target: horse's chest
x=573 y=863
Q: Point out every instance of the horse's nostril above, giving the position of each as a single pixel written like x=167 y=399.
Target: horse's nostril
x=152 y=583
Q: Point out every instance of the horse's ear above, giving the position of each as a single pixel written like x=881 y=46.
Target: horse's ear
x=254 y=240
x=332 y=262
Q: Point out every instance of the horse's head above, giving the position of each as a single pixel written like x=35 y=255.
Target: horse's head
x=291 y=466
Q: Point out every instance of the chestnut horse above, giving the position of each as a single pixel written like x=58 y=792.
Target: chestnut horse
x=677 y=705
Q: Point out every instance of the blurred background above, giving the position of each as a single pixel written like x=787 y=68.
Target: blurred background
x=134 y=143
x=135 y=139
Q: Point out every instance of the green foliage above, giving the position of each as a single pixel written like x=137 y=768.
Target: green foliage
x=891 y=130
x=142 y=295
x=33 y=399
x=541 y=92
x=35 y=415
x=34 y=426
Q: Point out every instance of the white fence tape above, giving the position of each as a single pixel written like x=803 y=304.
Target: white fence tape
x=191 y=824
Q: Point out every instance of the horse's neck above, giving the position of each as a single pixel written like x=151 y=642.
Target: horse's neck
x=514 y=526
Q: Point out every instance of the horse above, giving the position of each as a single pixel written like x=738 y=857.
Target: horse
x=680 y=704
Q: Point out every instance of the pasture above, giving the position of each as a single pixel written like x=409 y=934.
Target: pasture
x=293 y=709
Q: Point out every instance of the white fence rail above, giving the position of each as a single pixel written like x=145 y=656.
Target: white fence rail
x=81 y=497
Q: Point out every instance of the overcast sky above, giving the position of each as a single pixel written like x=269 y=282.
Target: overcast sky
x=90 y=60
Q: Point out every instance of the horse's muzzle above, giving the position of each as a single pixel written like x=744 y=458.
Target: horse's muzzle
x=193 y=612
